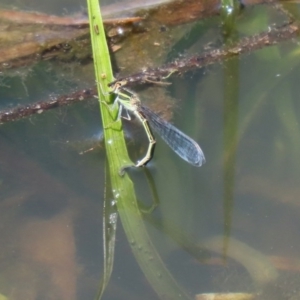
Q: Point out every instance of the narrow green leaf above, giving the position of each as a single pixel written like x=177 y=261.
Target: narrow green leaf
x=122 y=187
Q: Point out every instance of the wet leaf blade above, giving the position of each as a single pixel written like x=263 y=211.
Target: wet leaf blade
x=122 y=187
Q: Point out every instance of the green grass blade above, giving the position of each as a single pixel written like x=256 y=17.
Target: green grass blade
x=122 y=187
x=110 y=218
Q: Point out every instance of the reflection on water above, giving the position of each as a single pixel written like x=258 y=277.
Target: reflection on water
x=37 y=229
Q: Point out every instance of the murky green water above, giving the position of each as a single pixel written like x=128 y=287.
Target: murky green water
x=230 y=226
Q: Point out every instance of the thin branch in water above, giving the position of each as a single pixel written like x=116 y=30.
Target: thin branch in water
x=21 y=112
x=249 y=44
x=157 y=75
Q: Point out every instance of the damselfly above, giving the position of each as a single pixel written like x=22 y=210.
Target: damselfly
x=179 y=142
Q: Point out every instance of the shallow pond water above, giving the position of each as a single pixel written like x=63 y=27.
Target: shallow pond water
x=230 y=226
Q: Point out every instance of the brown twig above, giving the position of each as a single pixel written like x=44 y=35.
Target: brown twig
x=40 y=18
x=247 y=45
x=21 y=112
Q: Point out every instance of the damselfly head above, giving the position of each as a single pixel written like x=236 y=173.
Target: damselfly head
x=117 y=85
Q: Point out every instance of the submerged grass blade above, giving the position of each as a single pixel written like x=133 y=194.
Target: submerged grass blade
x=110 y=217
x=231 y=114
x=122 y=187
